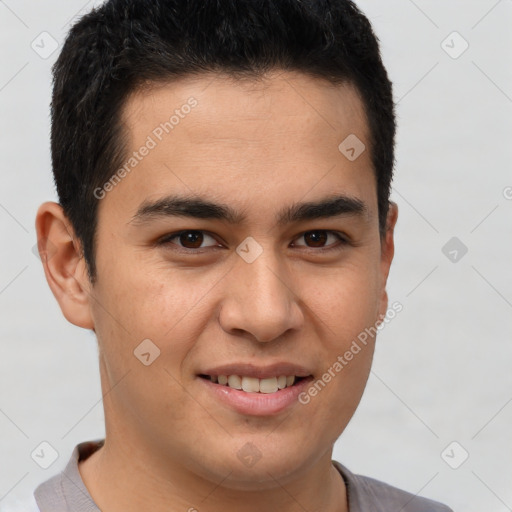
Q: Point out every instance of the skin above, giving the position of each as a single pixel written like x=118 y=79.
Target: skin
x=258 y=146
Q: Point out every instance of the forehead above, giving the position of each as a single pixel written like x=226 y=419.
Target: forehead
x=242 y=139
x=223 y=100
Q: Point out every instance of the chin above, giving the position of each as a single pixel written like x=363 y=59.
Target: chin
x=258 y=464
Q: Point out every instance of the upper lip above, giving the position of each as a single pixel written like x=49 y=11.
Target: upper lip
x=260 y=372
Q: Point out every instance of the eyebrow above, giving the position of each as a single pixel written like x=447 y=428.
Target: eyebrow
x=201 y=208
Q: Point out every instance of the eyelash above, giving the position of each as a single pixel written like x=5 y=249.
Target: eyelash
x=166 y=240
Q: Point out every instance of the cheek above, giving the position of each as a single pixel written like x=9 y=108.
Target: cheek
x=347 y=298
x=137 y=301
x=132 y=305
x=347 y=307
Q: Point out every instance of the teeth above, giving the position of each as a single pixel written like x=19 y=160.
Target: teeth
x=234 y=381
x=253 y=384
x=281 y=382
x=268 y=385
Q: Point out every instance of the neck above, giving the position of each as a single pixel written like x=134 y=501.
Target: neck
x=133 y=479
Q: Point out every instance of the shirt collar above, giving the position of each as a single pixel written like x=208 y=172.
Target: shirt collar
x=66 y=492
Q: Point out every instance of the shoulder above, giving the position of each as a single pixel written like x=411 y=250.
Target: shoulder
x=367 y=494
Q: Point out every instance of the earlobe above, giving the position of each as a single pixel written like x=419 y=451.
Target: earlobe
x=64 y=265
x=384 y=302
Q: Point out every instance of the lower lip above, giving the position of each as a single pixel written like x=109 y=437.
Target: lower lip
x=257 y=404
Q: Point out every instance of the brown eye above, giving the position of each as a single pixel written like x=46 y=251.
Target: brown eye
x=189 y=239
x=316 y=238
x=194 y=238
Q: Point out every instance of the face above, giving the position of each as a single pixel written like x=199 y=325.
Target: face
x=242 y=244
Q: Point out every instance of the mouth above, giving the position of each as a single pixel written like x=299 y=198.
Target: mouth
x=255 y=391
x=249 y=384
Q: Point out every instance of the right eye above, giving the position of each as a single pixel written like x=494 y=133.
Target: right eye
x=189 y=240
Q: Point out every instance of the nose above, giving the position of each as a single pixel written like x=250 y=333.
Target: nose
x=259 y=300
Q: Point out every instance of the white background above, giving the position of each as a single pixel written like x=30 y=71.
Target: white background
x=442 y=367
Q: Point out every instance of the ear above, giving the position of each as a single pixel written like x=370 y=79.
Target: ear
x=386 y=255
x=64 y=264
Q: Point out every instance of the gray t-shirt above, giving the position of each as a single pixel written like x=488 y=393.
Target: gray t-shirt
x=66 y=491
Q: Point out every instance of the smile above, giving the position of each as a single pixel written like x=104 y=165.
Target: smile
x=252 y=396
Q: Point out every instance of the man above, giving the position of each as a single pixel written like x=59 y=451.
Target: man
x=225 y=229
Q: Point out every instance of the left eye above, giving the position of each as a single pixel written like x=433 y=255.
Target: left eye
x=320 y=237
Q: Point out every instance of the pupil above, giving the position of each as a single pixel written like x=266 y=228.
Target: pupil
x=319 y=237
x=191 y=237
